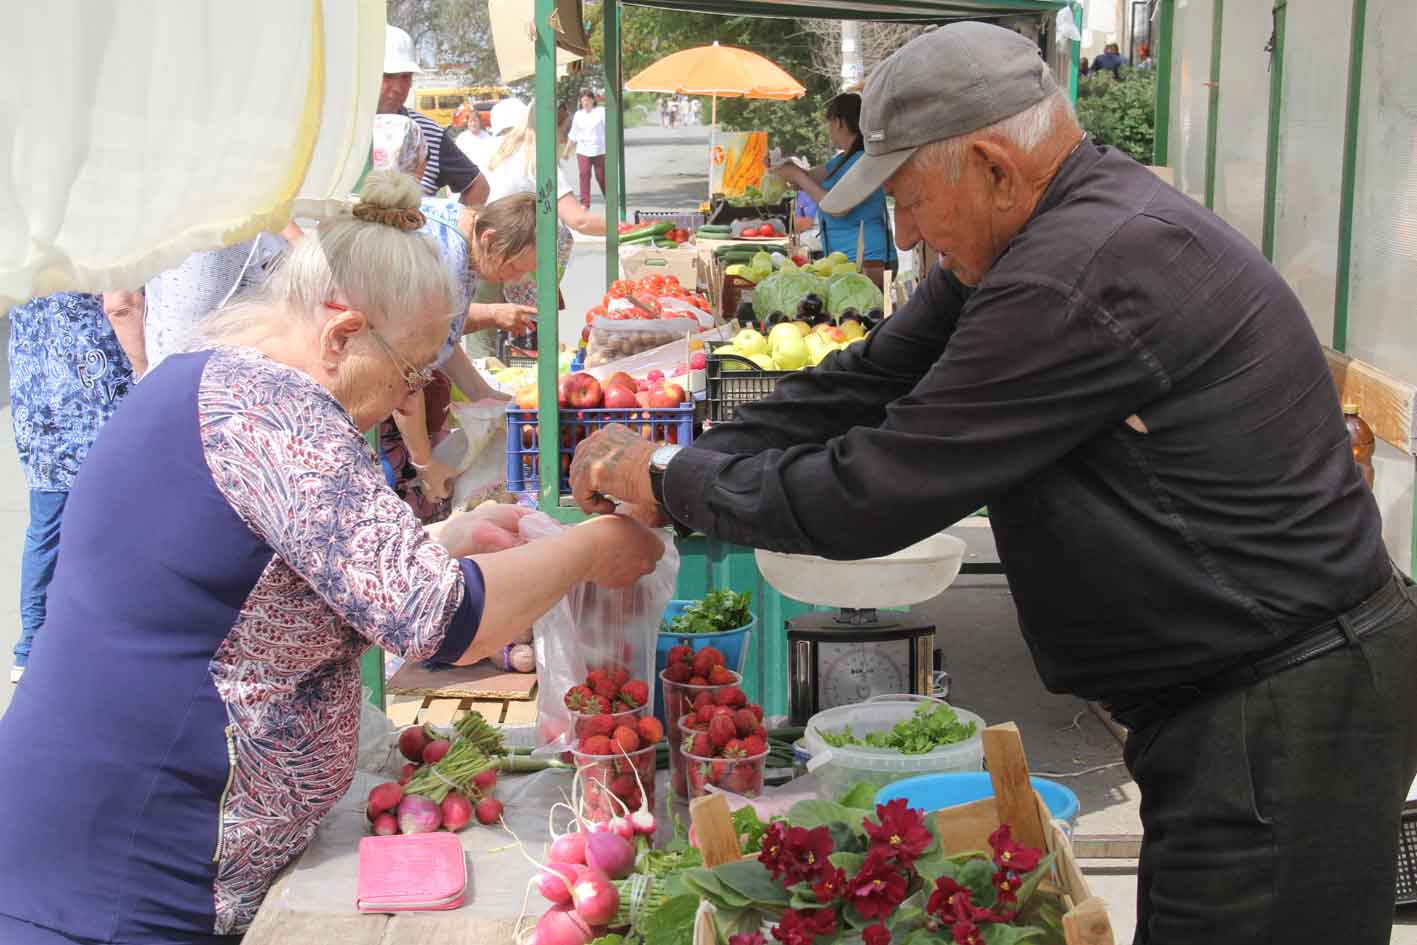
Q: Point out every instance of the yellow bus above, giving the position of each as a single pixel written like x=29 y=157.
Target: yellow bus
x=440 y=103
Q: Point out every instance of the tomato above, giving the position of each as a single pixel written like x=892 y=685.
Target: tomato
x=766 y=230
x=620 y=288
x=652 y=285
x=671 y=282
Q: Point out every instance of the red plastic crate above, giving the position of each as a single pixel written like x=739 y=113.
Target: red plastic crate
x=659 y=425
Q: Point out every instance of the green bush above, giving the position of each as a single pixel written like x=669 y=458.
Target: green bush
x=1120 y=113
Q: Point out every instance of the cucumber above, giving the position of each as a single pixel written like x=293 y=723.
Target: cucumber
x=712 y=228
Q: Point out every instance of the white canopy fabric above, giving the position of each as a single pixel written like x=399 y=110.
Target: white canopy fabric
x=135 y=132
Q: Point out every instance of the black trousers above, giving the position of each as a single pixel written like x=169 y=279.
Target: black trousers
x=1271 y=812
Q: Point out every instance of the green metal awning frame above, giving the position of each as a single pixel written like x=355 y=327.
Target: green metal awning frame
x=548 y=329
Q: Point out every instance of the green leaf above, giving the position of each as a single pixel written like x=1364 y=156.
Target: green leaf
x=997 y=934
x=749 y=828
x=1030 y=882
x=851 y=863
x=672 y=923
x=819 y=813
x=710 y=887
x=611 y=939
x=855 y=919
x=751 y=879
x=978 y=877
x=862 y=795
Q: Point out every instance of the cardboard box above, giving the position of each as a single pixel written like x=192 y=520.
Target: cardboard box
x=681 y=262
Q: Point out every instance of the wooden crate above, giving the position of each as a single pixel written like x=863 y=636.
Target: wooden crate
x=446 y=710
x=442 y=696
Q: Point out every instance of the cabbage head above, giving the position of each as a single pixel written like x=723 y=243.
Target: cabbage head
x=781 y=291
x=851 y=290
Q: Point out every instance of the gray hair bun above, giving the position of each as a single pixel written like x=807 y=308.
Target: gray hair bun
x=391 y=198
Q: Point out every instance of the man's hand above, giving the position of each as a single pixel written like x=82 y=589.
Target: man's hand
x=613 y=462
x=483 y=530
x=435 y=479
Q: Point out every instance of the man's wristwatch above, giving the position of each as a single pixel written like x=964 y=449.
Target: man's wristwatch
x=658 y=463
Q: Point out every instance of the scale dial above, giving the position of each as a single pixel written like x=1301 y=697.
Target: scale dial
x=854 y=672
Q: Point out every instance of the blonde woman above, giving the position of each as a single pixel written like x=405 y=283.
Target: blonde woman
x=230 y=551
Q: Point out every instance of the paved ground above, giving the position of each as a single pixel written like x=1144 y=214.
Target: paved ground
x=976 y=625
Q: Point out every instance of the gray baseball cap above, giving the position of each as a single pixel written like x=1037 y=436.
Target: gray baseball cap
x=948 y=82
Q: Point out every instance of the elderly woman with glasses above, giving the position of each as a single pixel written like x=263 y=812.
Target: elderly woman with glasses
x=230 y=549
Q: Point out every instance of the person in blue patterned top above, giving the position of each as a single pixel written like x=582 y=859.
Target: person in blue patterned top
x=68 y=372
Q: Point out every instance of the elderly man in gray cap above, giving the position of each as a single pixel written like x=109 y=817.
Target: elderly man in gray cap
x=1140 y=400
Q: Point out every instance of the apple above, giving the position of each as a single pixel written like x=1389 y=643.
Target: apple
x=791 y=351
x=675 y=391
x=527 y=397
x=581 y=390
x=642 y=398
x=680 y=370
x=803 y=327
x=750 y=342
x=781 y=332
x=642 y=384
x=619 y=397
x=654 y=377
x=661 y=399
x=837 y=335
x=698 y=361
x=620 y=377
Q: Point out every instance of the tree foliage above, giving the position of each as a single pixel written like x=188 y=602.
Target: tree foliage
x=1120 y=113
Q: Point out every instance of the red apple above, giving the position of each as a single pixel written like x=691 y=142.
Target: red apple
x=677 y=392
x=620 y=377
x=527 y=397
x=654 y=377
x=661 y=399
x=581 y=390
x=642 y=398
x=619 y=397
x=698 y=361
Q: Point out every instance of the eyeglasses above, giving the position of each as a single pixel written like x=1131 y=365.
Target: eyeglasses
x=415 y=379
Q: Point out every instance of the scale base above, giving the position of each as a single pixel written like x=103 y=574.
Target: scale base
x=836 y=658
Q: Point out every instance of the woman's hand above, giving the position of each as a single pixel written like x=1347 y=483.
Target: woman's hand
x=517 y=319
x=788 y=171
x=625 y=550
x=483 y=530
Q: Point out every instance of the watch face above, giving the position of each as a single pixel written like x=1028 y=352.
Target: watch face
x=853 y=672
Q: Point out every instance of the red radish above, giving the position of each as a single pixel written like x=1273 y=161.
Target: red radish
x=488 y=810
x=418 y=814
x=595 y=896
x=486 y=781
x=562 y=925
x=385 y=796
x=457 y=811
x=569 y=848
x=554 y=882
x=434 y=751
x=372 y=814
x=611 y=854
x=385 y=825
x=412 y=741
x=407 y=772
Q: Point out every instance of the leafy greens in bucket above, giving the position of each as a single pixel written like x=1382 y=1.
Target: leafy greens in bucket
x=931 y=727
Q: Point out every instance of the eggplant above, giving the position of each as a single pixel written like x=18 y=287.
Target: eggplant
x=811 y=306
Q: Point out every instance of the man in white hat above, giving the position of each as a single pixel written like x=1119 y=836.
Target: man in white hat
x=1139 y=398
x=447 y=165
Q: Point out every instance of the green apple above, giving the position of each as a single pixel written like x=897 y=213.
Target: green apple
x=804 y=328
x=750 y=342
x=852 y=329
x=780 y=331
x=764 y=362
x=790 y=352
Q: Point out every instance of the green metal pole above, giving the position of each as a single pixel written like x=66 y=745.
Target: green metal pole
x=371 y=663
x=1349 y=181
x=1075 y=53
x=1276 y=103
x=1212 y=121
x=1161 y=140
x=547 y=331
x=614 y=139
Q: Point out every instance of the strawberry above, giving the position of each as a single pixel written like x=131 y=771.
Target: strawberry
x=706 y=659
x=595 y=745
x=745 y=779
x=730 y=696
x=627 y=789
x=619 y=677
x=746 y=722
x=678 y=672
x=718 y=771
x=679 y=782
x=699 y=745
x=721 y=730
x=755 y=745
x=733 y=748
x=597 y=725
x=756 y=710
x=626 y=739
x=650 y=731
x=606 y=689
x=721 y=676
x=723 y=710
x=761 y=732
x=690 y=721
x=634 y=693
x=577 y=698
x=595 y=677
x=596 y=705
x=705 y=713
x=703 y=699
x=698 y=681
x=682 y=653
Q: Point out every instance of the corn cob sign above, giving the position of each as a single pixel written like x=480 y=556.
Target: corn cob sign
x=738 y=161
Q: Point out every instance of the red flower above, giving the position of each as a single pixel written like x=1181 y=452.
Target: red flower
x=1007 y=883
x=951 y=902
x=878 y=888
x=805 y=852
x=966 y=933
x=771 y=853
x=900 y=832
x=802 y=928
x=872 y=935
x=1009 y=855
x=750 y=938
x=831 y=886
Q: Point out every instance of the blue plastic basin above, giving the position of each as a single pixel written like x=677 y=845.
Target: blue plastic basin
x=931 y=792
x=733 y=644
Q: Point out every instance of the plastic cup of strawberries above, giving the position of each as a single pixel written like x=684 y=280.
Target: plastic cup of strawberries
x=615 y=784
x=729 y=751
x=608 y=699
x=691 y=680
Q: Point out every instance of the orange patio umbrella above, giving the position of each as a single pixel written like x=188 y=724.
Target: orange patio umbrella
x=719 y=72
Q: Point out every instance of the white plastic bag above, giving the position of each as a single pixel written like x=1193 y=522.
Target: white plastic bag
x=594 y=628
x=475 y=451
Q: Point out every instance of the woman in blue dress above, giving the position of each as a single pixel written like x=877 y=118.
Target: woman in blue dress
x=839 y=232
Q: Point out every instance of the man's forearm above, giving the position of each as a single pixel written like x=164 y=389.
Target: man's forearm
x=125 y=311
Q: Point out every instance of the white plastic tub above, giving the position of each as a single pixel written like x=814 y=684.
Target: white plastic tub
x=840 y=769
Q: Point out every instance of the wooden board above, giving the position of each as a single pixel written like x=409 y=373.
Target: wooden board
x=1384 y=401
x=479 y=681
x=1013 y=792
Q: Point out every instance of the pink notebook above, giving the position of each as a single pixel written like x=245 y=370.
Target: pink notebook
x=413 y=871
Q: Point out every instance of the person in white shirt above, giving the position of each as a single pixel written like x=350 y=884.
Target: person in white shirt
x=587 y=135
x=474 y=140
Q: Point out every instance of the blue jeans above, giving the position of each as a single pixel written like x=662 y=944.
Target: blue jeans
x=37 y=565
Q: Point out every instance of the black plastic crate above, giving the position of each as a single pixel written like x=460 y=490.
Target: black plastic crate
x=1407 y=857
x=724 y=213
x=730 y=387
x=689 y=220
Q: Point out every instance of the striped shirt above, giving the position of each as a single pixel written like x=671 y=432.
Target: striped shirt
x=450 y=167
